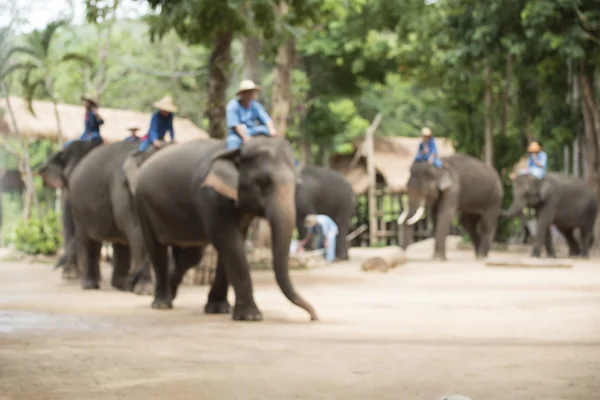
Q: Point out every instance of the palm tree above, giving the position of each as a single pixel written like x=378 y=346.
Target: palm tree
x=39 y=65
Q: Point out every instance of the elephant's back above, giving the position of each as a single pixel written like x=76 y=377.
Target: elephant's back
x=476 y=177
x=97 y=168
x=172 y=167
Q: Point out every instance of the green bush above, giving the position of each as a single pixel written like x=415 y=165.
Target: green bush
x=39 y=235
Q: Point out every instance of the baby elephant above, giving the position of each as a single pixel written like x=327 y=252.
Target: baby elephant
x=558 y=199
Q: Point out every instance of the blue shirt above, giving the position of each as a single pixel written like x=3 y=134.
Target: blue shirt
x=254 y=115
x=159 y=125
x=132 y=139
x=424 y=153
x=330 y=228
x=538 y=172
x=92 y=123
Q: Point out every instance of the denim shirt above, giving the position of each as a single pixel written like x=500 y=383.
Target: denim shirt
x=330 y=228
x=159 y=125
x=538 y=172
x=92 y=124
x=254 y=115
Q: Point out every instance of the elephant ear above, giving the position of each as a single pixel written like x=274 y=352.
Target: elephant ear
x=223 y=174
x=52 y=171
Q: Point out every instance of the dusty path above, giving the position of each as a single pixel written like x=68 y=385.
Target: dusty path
x=419 y=332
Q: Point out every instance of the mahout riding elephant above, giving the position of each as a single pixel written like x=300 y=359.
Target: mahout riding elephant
x=199 y=193
x=103 y=210
x=475 y=195
x=562 y=200
x=325 y=191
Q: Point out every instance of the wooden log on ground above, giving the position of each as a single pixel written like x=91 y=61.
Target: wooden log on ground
x=529 y=263
x=386 y=259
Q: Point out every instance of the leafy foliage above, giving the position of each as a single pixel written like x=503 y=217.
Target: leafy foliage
x=39 y=235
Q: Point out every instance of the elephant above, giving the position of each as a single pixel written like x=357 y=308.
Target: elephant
x=562 y=200
x=102 y=210
x=475 y=195
x=199 y=193
x=325 y=191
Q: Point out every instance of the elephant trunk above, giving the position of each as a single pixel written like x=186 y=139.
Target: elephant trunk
x=514 y=209
x=281 y=214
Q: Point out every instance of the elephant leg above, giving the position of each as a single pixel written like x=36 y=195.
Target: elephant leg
x=89 y=255
x=341 y=246
x=488 y=224
x=184 y=260
x=228 y=239
x=469 y=222
x=587 y=234
x=217 y=297
x=549 y=244
x=571 y=242
x=140 y=281
x=443 y=218
x=121 y=263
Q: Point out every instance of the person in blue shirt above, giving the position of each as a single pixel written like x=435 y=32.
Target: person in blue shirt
x=427 y=152
x=133 y=137
x=246 y=117
x=160 y=124
x=329 y=229
x=537 y=163
x=427 y=149
x=93 y=121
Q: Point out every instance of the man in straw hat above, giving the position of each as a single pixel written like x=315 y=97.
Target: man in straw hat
x=93 y=120
x=246 y=117
x=160 y=124
x=427 y=152
x=329 y=229
x=133 y=137
x=537 y=164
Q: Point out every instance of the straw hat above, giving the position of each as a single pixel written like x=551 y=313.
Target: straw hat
x=247 y=85
x=310 y=220
x=534 y=147
x=90 y=98
x=133 y=127
x=165 y=104
x=426 y=132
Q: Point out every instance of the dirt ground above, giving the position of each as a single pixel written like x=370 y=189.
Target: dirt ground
x=422 y=331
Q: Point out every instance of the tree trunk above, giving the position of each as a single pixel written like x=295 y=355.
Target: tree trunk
x=59 y=131
x=24 y=162
x=506 y=95
x=489 y=145
x=252 y=48
x=219 y=70
x=282 y=93
x=591 y=116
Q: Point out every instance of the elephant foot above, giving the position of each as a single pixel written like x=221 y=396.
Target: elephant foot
x=143 y=288
x=70 y=274
x=162 y=304
x=480 y=257
x=90 y=284
x=536 y=254
x=439 y=257
x=120 y=283
x=552 y=255
x=247 y=313
x=217 y=307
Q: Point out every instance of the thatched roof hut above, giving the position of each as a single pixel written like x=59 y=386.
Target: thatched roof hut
x=394 y=156
x=43 y=123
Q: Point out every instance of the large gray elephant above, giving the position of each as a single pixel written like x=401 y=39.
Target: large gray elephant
x=475 y=195
x=562 y=200
x=190 y=195
x=102 y=210
x=325 y=191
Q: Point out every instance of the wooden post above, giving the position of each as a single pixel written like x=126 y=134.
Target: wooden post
x=372 y=178
x=576 y=154
x=566 y=161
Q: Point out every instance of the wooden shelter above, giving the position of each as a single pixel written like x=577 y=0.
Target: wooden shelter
x=43 y=125
x=392 y=159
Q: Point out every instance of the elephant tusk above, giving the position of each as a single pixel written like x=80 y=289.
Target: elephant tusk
x=402 y=217
x=418 y=215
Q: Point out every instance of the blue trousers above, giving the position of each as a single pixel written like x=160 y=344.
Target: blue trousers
x=330 y=248
x=436 y=161
x=89 y=136
x=234 y=141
